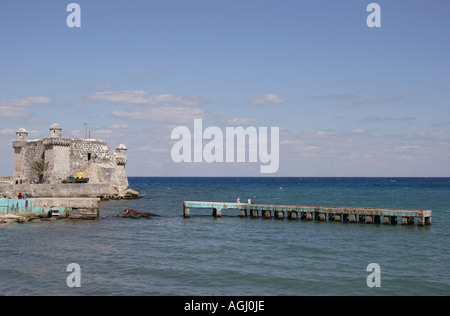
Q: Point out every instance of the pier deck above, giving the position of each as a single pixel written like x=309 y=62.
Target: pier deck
x=318 y=213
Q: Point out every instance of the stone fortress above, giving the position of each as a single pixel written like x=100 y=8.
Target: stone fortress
x=65 y=157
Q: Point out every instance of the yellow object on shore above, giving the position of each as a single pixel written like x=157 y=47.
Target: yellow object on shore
x=79 y=175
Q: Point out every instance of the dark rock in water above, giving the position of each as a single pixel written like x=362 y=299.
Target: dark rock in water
x=131 y=216
x=48 y=219
x=148 y=215
x=129 y=213
x=82 y=217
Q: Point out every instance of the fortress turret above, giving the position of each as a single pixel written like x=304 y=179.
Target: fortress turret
x=55 y=130
x=121 y=154
x=20 y=146
x=21 y=134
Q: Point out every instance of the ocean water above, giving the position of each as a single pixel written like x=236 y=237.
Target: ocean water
x=203 y=255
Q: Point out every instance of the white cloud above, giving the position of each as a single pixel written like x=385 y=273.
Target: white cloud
x=239 y=122
x=17 y=108
x=98 y=86
x=7 y=132
x=359 y=131
x=162 y=114
x=376 y=119
x=308 y=134
x=120 y=126
x=141 y=97
x=406 y=147
x=7 y=111
x=23 y=102
x=153 y=150
x=434 y=133
x=350 y=100
x=267 y=99
x=102 y=131
x=405 y=157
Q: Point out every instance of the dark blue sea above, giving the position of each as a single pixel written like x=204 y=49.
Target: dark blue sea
x=203 y=255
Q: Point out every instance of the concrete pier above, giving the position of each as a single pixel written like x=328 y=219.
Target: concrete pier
x=41 y=206
x=309 y=213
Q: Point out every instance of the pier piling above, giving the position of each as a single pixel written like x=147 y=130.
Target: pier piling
x=217 y=212
x=321 y=217
x=293 y=215
x=186 y=211
x=279 y=214
x=394 y=220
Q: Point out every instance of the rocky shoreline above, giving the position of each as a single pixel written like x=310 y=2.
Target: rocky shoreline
x=6 y=219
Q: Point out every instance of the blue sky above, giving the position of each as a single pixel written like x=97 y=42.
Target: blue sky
x=349 y=100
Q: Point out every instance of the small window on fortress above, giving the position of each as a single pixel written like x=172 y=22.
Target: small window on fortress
x=89 y=156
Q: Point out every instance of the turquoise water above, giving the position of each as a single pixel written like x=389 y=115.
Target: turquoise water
x=203 y=255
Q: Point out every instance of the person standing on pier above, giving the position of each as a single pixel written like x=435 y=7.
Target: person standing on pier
x=249 y=201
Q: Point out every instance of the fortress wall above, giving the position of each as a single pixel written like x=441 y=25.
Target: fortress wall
x=84 y=148
x=93 y=172
x=18 y=162
x=104 y=167
x=120 y=176
x=25 y=152
x=70 y=190
x=3 y=188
